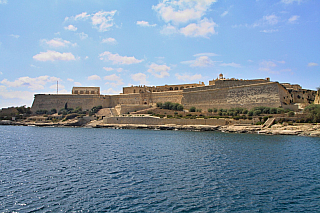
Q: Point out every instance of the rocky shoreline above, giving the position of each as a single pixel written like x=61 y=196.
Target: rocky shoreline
x=312 y=130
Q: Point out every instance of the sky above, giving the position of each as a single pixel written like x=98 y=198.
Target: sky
x=117 y=43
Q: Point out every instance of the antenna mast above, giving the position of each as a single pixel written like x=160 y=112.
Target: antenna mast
x=57 y=87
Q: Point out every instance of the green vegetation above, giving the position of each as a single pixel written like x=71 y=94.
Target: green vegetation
x=171 y=106
x=313 y=113
x=192 y=109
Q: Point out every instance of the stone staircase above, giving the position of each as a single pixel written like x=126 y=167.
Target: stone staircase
x=268 y=122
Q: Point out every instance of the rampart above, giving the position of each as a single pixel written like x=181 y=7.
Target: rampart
x=247 y=96
x=161 y=121
x=50 y=101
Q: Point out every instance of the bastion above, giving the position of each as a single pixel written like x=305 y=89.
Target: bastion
x=219 y=93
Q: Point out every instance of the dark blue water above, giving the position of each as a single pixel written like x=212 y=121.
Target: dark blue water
x=106 y=170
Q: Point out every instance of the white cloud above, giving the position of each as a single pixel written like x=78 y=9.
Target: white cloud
x=293 y=19
x=108 y=68
x=70 y=79
x=82 y=16
x=60 y=87
x=159 y=71
x=83 y=35
x=103 y=20
x=267 y=65
x=140 y=77
x=224 y=13
x=77 y=84
x=94 y=78
x=32 y=83
x=54 y=56
x=71 y=28
x=1 y=73
x=14 y=36
x=113 y=77
x=269 y=31
x=186 y=77
x=3 y=1
x=119 y=69
x=145 y=24
x=204 y=28
x=117 y=59
x=57 y=42
x=23 y=95
x=169 y=29
x=230 y=65
x=109 y=41
x=86 y=57
x=312 y=64
x=201 y=61
x=291 y=1
x=271 y=19
x=110 y=91
x=205 y=54
x=182 y=11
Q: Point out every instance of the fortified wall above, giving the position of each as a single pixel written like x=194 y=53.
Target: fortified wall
x=220 y=93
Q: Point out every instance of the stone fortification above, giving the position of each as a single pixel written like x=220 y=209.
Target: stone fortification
x=247 y=96
x=222 y=93
x=160 y=121
x=50 y=101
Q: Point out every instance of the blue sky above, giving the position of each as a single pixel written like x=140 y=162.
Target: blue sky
x=117 y=43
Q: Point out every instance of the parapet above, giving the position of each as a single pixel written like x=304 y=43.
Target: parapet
x=86 y=90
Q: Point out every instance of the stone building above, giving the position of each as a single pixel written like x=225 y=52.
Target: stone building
x=220 y=93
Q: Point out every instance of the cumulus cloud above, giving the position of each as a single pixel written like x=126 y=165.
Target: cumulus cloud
x=140 y=77
x=108 y=68
x=78 y=84
x=182 y=11
x=271 y=19
x=54 y=56
x=230 y=65
x=3 y=1
x=70 y=79
x=94 y=78
x=201 y=61
x=312 y=64
x=145 y=24
x=109 y=41
x=205 y=54
x=204 y=28
x=293 y=19
x=186 y=77
x=169 y=29
x=159 y=71
x=102 y=20
x=23 y=95
x=116 y=80
x=110 y=91
x=32 y=83
x=57 y=42
x=71 y=28
x=83 y=35
x=117 y=59
x=269 y=31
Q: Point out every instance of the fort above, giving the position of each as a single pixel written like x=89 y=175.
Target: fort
x=219 y=93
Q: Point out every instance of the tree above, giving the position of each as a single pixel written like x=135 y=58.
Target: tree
x=192 y=109
x=210 y=110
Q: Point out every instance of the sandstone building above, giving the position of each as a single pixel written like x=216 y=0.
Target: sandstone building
x=220 y=93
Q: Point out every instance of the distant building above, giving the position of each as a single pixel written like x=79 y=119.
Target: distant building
x=86 y=90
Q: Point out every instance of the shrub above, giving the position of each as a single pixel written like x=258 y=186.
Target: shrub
x=159 y=104
x=256 y=112
x=169 y=116
x=250 y=113
x=198 y=110
x=192 y=109
x=210 y=110
x=53 y=111
x=273 y=111
x=290 y=114
x=180 y=107
x=245 y=111
x=215 y=110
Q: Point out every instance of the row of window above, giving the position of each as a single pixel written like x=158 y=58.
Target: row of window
x=84 y=92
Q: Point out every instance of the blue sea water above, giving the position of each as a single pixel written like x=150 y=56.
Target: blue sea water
x=109 y=170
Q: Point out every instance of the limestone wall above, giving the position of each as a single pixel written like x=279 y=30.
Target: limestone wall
x=49 y=101
x=263 y=94
x=317 y=98
x=160 y=121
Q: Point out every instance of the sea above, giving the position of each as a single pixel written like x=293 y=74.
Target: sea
x=45 y=169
